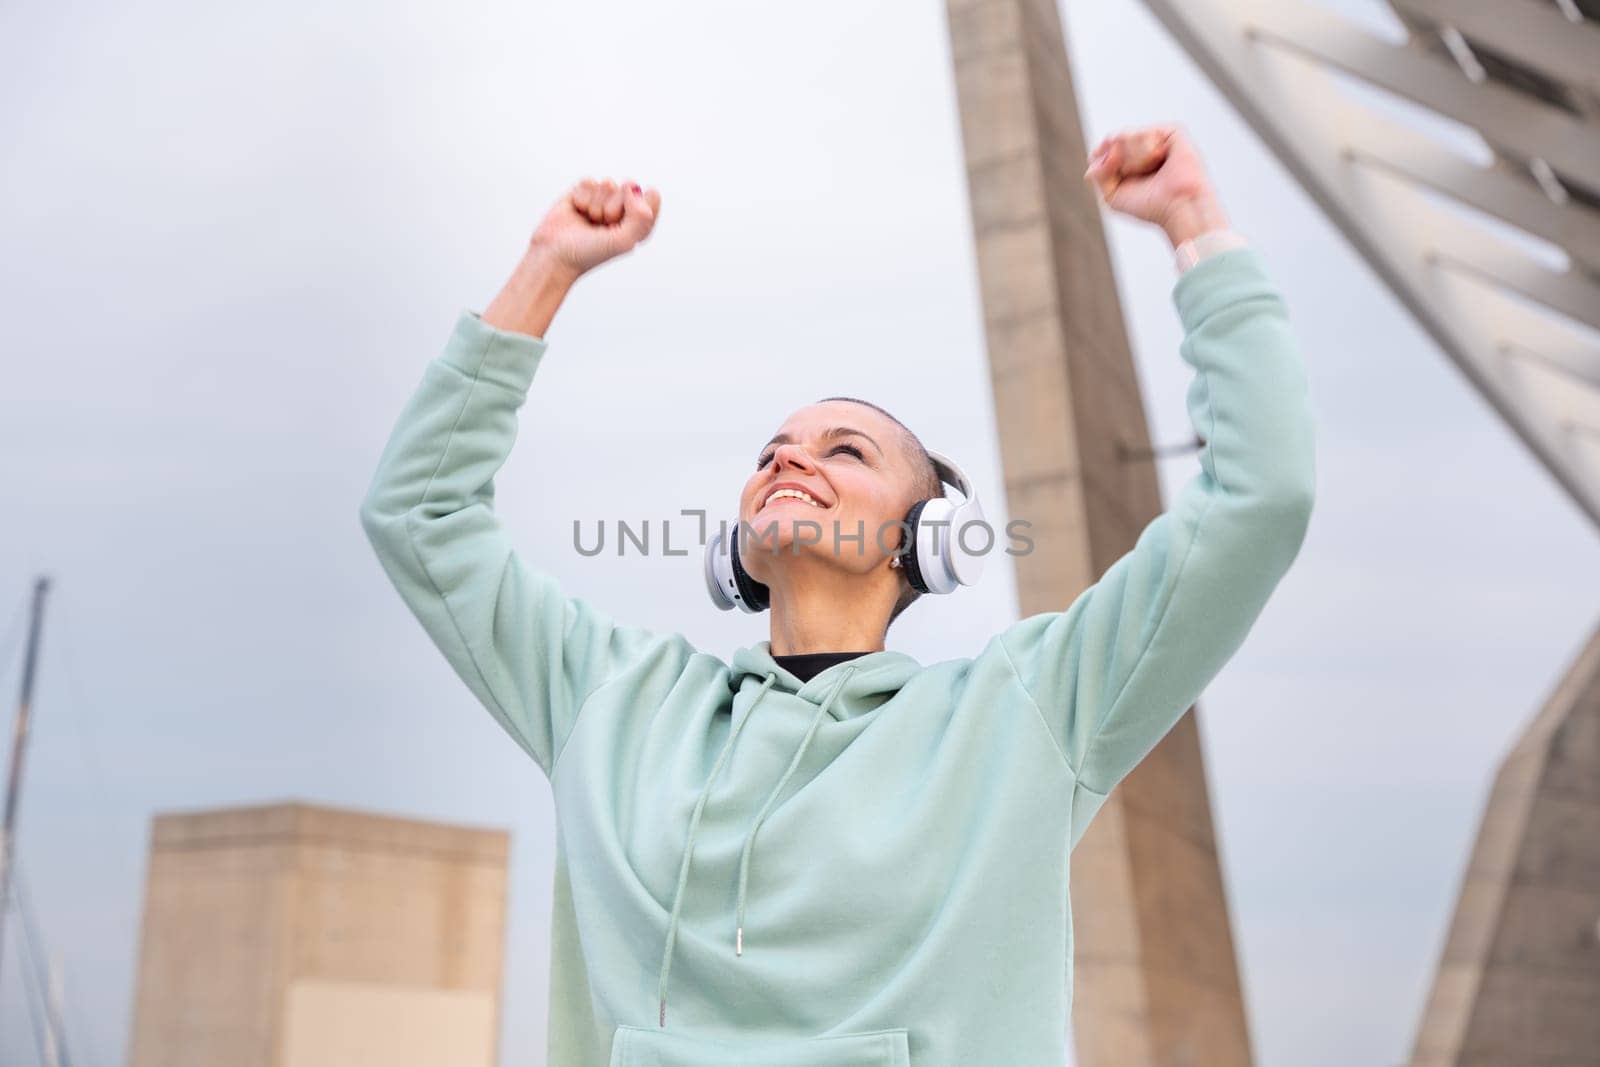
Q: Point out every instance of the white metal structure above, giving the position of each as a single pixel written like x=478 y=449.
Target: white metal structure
x=1460 y=155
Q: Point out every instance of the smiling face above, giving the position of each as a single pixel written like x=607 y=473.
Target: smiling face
x=834 y=461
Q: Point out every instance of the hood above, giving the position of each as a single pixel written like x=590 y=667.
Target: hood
x=875 y=677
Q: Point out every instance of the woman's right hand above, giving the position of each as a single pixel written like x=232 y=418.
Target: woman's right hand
x=596 y=221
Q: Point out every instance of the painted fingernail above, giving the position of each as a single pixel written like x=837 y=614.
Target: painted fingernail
x=635 y=188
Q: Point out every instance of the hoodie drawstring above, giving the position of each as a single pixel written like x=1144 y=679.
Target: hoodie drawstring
x=688 y=848
x=750 y=838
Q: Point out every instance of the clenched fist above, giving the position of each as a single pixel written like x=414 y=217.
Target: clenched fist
x=596 y=221
x=1156 y=175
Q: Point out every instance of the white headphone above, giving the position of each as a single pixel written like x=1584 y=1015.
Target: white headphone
x=934 y=566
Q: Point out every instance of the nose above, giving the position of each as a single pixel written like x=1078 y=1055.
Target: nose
x=793 y=455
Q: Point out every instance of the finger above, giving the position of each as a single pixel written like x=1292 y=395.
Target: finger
x=1180 y=145
x=581 y=195
x=1100 y=156
x=638 y=216
x=1109 y=173
x=599 y=197
x=1097 y=161
x=583 y=199
x=1103 y=149
x=597 y=201
x=613 y=205
x=1144 y=151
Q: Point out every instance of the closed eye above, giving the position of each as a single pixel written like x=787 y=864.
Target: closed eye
x=766 y=457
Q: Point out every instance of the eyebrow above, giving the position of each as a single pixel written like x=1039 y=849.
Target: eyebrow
x=832 y=431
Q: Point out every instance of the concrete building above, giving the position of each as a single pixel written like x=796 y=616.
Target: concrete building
x=298 y=936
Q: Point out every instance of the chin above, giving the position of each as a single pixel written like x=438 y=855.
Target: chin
x=787 y=520
x=772 y=547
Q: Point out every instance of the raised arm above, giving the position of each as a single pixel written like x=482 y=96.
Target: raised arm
x=1118 y=668
x=528 y=652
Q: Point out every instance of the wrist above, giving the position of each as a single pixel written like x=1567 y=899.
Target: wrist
x=1190 y=218
x=543 y=268
x=529 y=300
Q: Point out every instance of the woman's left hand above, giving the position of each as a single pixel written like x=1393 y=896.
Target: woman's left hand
x=1155 y=174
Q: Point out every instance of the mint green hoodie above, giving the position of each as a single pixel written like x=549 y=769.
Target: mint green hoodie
x=869 y=868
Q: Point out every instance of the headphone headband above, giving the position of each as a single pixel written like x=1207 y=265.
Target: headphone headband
x=951 y=474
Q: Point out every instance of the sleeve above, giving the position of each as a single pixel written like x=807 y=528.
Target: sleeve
x=1119 y=667
x=530 y=654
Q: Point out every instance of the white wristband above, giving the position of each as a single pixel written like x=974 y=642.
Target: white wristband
x=1206 y=244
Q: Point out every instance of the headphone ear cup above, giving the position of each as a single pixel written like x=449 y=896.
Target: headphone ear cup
x=727 y=581
x=756 y=595
x=966 y=567
x=720 y=583
x=911 y=549
x=935 y=537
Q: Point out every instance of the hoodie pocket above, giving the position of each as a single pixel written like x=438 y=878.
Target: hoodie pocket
x=638 y=1046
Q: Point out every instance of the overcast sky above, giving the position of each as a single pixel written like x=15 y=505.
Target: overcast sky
x=232 y=235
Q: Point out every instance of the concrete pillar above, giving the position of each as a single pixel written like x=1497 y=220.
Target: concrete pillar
x=1156 y=978
x=296 y=936
x=1519 y=978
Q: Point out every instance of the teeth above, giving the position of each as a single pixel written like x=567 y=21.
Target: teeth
x=798 y=494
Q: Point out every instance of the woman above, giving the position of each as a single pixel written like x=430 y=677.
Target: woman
x=850 y=858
